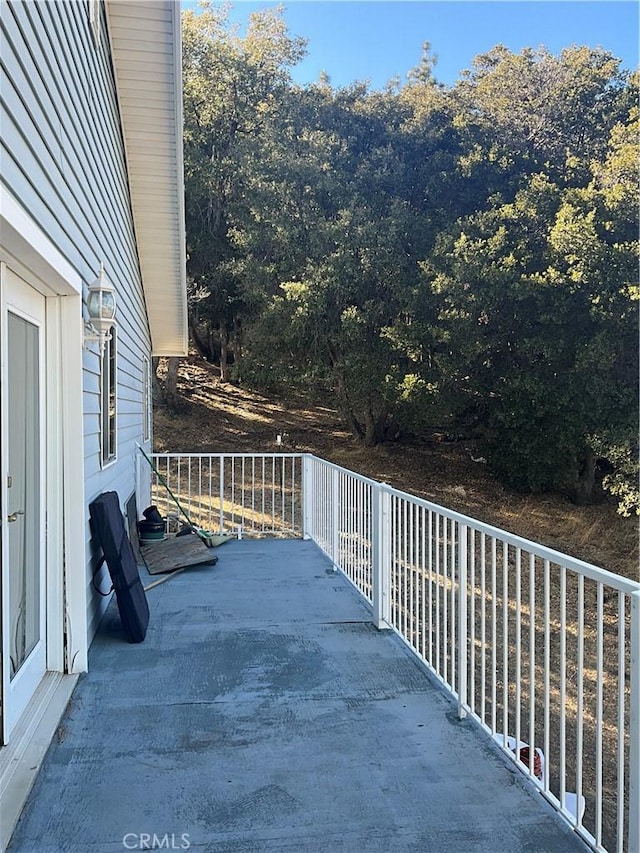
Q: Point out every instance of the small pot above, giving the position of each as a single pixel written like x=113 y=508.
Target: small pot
x=151 y=529
x=151 y=514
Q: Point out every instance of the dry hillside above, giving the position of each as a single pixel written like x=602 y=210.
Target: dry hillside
x=216 y=417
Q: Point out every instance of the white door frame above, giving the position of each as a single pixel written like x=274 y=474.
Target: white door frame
x=29 y=253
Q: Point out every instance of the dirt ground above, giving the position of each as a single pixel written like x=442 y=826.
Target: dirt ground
x=224 y=417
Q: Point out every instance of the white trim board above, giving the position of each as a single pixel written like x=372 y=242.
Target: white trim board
x=20 y=760
x=23 y=241
x=34 y=257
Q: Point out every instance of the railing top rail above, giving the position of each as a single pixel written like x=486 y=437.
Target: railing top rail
x=362 y=478
x=595 y=573
x=257 y=453
x=589 y=570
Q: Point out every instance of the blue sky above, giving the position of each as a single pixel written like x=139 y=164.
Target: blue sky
x=379 y=40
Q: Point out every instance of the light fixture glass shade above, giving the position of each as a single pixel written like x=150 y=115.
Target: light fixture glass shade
x=101 y=308
x=101 y=301
x=108 y=306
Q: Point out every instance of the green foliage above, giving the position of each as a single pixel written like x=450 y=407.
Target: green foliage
x=430 y=253
x=232 y=89
x=534 y=110
x=620 y=451
x=529 y=446
x=537 y=298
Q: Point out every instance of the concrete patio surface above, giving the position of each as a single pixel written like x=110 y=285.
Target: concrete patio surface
x=264 y=712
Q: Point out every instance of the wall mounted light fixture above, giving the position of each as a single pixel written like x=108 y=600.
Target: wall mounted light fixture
x=101 y=308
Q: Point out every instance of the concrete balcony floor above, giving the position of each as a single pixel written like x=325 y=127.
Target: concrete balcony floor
x=264 y=712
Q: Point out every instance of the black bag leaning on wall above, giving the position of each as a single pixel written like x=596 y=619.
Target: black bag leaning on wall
x=110 y=531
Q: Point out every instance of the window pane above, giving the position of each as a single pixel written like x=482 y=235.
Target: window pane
x=109 y=437
x=23 y=494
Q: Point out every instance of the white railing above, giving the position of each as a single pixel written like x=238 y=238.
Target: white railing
x=539 y=648
x=237 y=493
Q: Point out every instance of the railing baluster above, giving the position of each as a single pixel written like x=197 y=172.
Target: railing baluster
x=472 y=627
x=445 y=601
x=410 y=569
x=622 y=673
x=505 y=641
x=462 y=621
x=335 y=515
x=634 y=725
x=580 y=696
x=221 y=494
x=518 y=644
x=494 y=636
x=454 y=594
x=189 y=509
x=397 y=586
x=532 y=662
x=599 y=718
x=431 y=581
x=178 y=479
x=365 y=535
x=483 y=629
x=423 y=587
x=405 y=544
x=253 y=493
x=354 y=530
x=283 y=498
x=361 y=534
x=563 y=686
x=547 y=669
x=437 y=592
x=418 y=576
x=233 y=493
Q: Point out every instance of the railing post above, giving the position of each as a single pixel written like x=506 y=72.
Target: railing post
x=381 y=555
x=307 y=496
x=221 y=487
x=144 y=478
x=335 y=517
x=634 y=726
x=138 y=486
x=462 y=620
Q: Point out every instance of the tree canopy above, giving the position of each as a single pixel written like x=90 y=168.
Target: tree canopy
x=463 y=256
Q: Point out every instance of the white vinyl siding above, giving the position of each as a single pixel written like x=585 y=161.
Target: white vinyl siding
x=63 y=161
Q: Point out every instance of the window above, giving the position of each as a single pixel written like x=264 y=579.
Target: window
x=147 y=409
x=108 y=400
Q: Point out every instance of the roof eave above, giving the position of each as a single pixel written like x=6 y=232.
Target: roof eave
x=158 y=219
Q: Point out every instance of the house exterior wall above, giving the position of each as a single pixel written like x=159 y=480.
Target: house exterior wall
x=63 y=161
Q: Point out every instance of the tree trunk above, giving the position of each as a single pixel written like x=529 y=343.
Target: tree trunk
x=374 y=432
x=344 y=405
x=171 y=384
x=351 y=421
x=370 y=438
x=225 y=371
x=213 y=348
x=237 y=344
x=199 y=344
x=586 y=480
x=156 y=387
